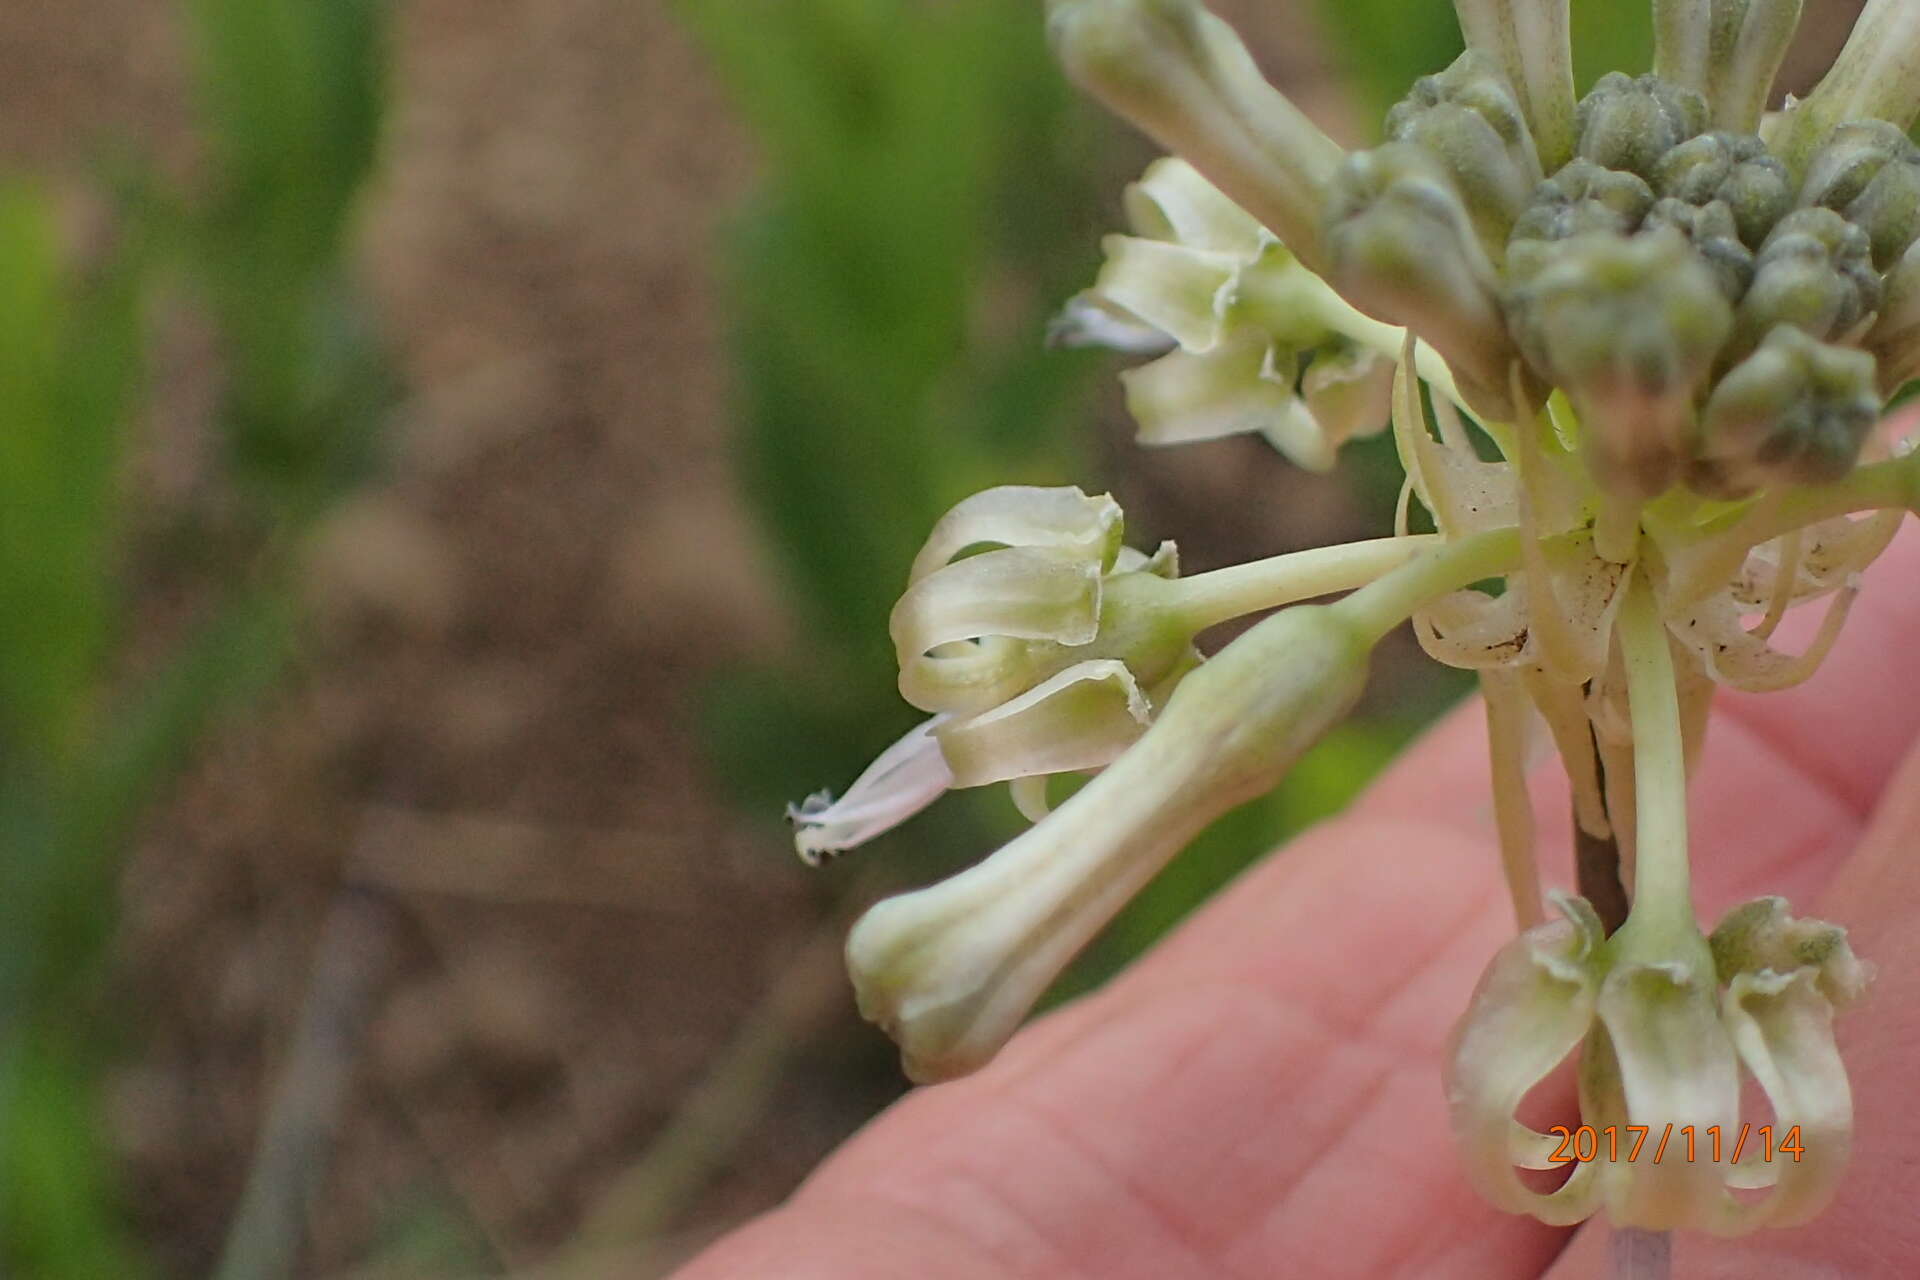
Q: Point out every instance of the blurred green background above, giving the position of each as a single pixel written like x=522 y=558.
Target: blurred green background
x=455 y=465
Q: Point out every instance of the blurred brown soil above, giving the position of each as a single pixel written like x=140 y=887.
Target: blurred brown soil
x=492 y=722
x=492 y=725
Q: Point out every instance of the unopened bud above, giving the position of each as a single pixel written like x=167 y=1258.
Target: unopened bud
x=1851 y=157
x=1889 y=209
x=1734 y=169
x=1182 y=76
x=1468 y=117
x=1796 y=411
x=1403 y=248
x=1580 y=198
x=1814 y=272
x=1630 y=327
x=1630 y=124
x=1715 y=237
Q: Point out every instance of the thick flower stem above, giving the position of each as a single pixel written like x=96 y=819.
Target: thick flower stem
x=1641 y=1255
x=1662 y=885
x=1883 y=486
x=1381 y=606
x=1208 y=599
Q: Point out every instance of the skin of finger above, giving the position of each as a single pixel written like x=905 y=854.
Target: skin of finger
x=1130 y=1135
x=1871 y=1230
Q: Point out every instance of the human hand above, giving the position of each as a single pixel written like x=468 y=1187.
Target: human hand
x=1261 y=1096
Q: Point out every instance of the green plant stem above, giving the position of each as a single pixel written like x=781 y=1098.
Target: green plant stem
x=1662 y=878
x=1883 y=486
x=1384 y=604
x=1641 y=1255
x=1208 y=599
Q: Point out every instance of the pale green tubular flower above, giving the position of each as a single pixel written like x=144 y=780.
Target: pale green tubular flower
x=1048 y=650
x=1261 y=344
x=1673 y=321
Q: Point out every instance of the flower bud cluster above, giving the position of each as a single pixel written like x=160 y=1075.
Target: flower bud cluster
x=1647 y=275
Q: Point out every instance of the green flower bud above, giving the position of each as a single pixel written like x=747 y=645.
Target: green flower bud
x=1734 y=169
x=1895 y=336
x=1630 y=124
x=1582 y=197
x=1796 y=411
x=1183 y=77
x=1630 y=327
x=1403 y=248
x=1851 y=157
x=1889 y=209
x=1715 y=237
x=1815 y=272
x=1468 y=118
x=950 y=971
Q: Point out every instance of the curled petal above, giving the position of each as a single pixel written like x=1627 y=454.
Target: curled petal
x=1782 y=1027
x=1675 y=1067
x=1236 y=390
x=1734 y=656
x=1173 y=202
x=1532 y=1008
x=1013 y=515
x=1763 y=935
x=1184 y=292
x=1081 y=718
x=904 y=779
x=1021 y=592
x=1349 y=393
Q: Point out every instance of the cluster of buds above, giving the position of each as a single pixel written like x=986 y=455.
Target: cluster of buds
x=1675 y=319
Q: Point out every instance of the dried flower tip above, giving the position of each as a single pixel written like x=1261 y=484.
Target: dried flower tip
x=904 y=779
